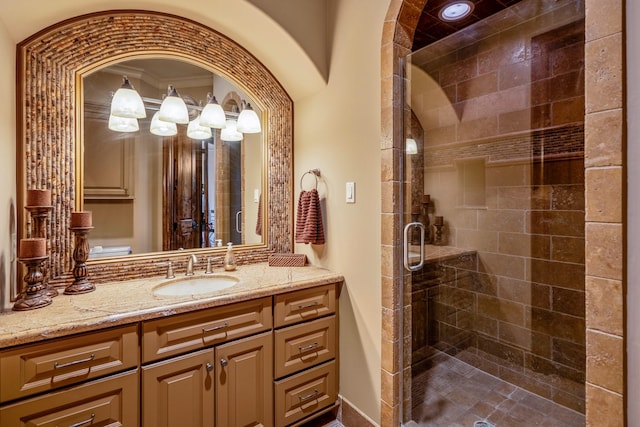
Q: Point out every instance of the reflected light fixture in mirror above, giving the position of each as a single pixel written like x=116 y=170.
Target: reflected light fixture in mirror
x=230 y=132
x=196 y=131
x=411 y=146
x=162 y=128
x=123 y=124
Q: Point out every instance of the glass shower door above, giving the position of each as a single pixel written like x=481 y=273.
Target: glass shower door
x=494 y=174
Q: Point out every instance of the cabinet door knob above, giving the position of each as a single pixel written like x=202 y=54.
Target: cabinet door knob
x=209 y=367
x=224 y=362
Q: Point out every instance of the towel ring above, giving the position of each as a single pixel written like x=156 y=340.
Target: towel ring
x=314 y=172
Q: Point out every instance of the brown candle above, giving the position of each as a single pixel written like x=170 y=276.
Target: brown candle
x=81 y=219
x=438 y=220
x=33 y=248
x=38 y=197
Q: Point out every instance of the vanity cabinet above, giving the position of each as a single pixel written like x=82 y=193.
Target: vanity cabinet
x=306 y=347
x=270 y=361
x=223 y=371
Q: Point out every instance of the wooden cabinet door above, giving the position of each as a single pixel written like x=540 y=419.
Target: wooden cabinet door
x=244 y=382
x=179 y=392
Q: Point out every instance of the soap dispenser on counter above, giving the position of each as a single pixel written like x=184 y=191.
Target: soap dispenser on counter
x=229 y=258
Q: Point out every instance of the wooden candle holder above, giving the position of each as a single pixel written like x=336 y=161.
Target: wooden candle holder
x=33 y=295
x=437 y=238
x=39 y=216
x=81 y=283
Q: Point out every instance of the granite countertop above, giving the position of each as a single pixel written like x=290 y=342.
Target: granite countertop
x=119 y=303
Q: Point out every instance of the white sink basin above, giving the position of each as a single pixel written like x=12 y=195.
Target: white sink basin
x=195 y=285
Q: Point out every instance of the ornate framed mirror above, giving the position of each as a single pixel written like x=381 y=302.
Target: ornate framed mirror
x=52 y=126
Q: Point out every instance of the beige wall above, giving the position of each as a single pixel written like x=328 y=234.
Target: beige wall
x=338 y=131
x=337 y=128
x=7 y=154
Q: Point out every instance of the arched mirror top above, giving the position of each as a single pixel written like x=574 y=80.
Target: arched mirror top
x=50 y=134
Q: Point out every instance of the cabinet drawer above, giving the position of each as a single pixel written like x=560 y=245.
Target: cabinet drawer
x=35 y=368
x=304 y=305
x=111 y=401
x=305 y=393
x=302 y=346
x=177 y=334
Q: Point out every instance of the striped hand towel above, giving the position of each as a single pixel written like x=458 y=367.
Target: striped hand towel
x=309 y=228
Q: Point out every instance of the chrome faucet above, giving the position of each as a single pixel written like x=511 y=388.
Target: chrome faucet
x=190 y=261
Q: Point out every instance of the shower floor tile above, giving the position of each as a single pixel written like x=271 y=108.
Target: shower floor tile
x=452 y=393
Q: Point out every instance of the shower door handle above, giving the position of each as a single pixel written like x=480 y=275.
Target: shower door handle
x=408 y=227
x=238 y=230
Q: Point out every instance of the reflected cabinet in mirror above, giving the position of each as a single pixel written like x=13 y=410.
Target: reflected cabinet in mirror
x=187 y=186
x=152 y=192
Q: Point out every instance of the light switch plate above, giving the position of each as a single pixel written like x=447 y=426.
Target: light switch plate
x=351 y=192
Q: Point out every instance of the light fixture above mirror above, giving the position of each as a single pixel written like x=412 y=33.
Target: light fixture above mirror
x=127 y=106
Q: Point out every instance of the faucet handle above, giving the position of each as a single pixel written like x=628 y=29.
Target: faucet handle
x=170 y=274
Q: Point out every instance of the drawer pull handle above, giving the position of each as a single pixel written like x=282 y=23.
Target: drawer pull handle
x=57 y=365
x=224 y=362
x=308 y=396
x=215 y=328
x=209 y=367
x=311 y=304
x=82 y=423
x=308 y=347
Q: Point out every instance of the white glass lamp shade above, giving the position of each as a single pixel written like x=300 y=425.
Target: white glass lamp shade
x=173 y=109
x=248 y=121
x=126 y=102
x=230 y=132
x=197 y=131
x=411 y=146
x=213 y=116
x=162 y=128
x=123 y=124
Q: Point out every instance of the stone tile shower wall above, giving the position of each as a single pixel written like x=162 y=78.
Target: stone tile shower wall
x=515 y=119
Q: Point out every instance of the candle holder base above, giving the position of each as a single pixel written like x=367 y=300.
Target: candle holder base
x=33 y=295
x=31 y=302
x=51 y=292
x=82 y=286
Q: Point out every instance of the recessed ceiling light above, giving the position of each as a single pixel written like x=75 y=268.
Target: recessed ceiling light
x=456 y=10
